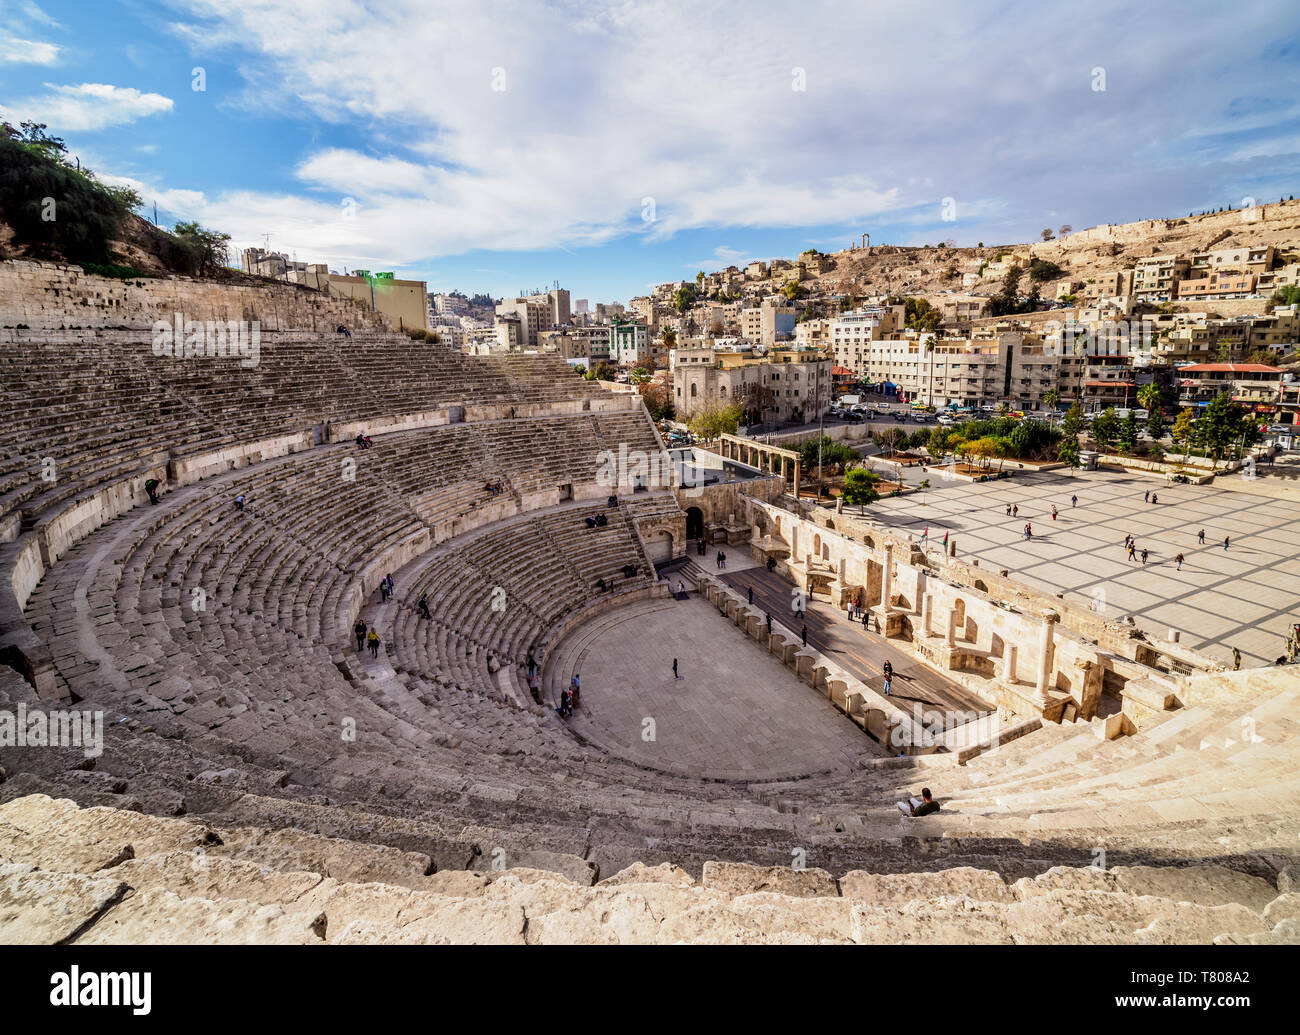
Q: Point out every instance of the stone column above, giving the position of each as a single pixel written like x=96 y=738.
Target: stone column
x=1046 y=649
x=1010 y=656
x=796 y=478
x=951 y=634
x=887 y=577
x=927 y=607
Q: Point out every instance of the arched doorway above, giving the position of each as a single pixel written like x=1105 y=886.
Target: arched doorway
x=659 y=547
x=694 y=523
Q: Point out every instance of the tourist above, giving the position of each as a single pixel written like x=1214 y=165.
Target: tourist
x=866 y=617
x=889 y=682
x=751 y=594
x=888 y=670
x=771 y=564
x=344 y=331
x=1154 y=498
x=1132 y=551
x=591 y=521
x=1015 y=510
x=359 y=630
x=769 y=623
x=1200 y=537
x=1008 y=510
x=1225 y=542
x=602 y=520
x=151 y=487
x=423 y=605
x=600 y=585
x=612 y=501
x=922 y=806
x=383 y=589
x=1053 y=511
x=239 y=503
x=372 y=641
x=1074 y=501
x=1179 y=561
x=1145 y=554
x=1236 y=659
x=803 y=634
x=675 y=676
x=1146 y=496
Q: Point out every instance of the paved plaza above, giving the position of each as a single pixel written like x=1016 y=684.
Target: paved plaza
x=736 y=713
x=1242 y=597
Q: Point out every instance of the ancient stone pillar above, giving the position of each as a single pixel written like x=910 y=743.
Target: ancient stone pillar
x=951 y=634
x=927 y=606
x=887 y=577
x=1010 y=655
x=1046 y=649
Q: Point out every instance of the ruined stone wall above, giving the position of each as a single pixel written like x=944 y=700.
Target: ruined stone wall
x=51 y=296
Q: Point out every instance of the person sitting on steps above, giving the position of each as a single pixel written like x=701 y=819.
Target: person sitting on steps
x=922 y=806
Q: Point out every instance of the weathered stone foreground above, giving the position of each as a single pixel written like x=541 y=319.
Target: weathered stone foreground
x=103 y=876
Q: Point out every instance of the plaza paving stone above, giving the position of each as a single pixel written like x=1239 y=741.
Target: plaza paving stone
x=1243 y=597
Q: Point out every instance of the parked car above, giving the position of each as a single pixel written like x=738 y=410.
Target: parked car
x=852 y=417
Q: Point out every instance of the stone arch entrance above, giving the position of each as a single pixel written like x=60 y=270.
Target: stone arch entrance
x=694 y=523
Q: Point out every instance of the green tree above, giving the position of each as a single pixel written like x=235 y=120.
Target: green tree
x=1184 y=430
x=685 y=297
x=1105 y=428
x=1223 y=424
x=920 y=315
x=832 y=453
x=860 y=488
x=891 y=438
x=1043 y=269
x=712 y=420
x=210 y=248
x=1288 y=294
x=669 y=337
x=1128 y=432
x=1051 y=398
x=793 y=290
x=1073 y=423
x=639 y=375
x=1068 y=453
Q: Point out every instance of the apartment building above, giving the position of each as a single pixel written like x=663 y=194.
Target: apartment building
x=781 y=384
x=629 y=344
x=1115 y=284
x=589 y=344
x=958 y=309
x=449 y=305
x=1195 y=338
x=1255 y=386
x=1014 y=367
x=1155 y=279
x=1278 y=332
x=533 y=315
x=1254 y=259
x=1270 y=280
x=851 y=334
x=1217 y=284
x=813 y=334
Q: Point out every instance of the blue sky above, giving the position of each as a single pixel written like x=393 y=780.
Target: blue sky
x=493 y=146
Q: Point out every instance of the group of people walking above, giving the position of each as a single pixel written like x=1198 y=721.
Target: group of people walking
x=367 y=638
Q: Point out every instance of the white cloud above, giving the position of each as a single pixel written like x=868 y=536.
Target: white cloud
x=27 y=52
x=608 y=103
x=88 y=106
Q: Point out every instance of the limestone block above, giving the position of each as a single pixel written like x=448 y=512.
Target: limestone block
x=897 y=889
x=741 y=879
